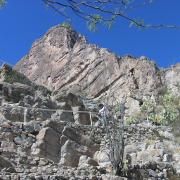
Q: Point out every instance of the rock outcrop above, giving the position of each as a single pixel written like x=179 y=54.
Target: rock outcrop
x=63 y=60
x=172 y=78
x=49 y=143
x=50 y=127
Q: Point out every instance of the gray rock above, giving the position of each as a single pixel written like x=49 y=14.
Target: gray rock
x=86 y=161
x=58 y=126
x=81 y=117
x=71 y=152
x=152 y=173
x=167 y=158
x=4 y=163
x=47 y=145
x=64 y=114
x=12 y=112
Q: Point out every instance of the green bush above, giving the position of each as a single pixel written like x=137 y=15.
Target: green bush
x=66 y=25
x=131 y=120
x=14 y=76
x=165 y=112
x=2 y=3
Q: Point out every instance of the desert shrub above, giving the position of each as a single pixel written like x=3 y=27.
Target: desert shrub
x=66 y=25
x=165 y=112
x=15 y=76
x=131 y=120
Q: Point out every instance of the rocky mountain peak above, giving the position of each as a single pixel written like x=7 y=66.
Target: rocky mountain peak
x=60 y=35
x=62 y=60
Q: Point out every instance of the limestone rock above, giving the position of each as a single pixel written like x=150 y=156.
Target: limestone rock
x=47 y=144
x=93 y=71
x=172 y=78
x=87 y=161
x=57 y=126
x=71 y=152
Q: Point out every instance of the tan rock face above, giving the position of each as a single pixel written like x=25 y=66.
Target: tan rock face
x=47 y=144
x=172 y=78
x=62 y=60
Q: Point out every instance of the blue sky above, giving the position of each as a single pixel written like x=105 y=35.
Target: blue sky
x=22 y=22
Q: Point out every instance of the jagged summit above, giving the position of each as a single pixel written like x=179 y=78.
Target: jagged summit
x=64 y=36
x=63 y=60
x=59 y=51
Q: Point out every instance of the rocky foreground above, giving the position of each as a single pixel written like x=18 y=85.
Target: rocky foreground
x=39 y=144
x=47 y=131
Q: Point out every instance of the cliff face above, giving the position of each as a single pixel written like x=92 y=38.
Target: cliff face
x=63 y=59
x=172 y=78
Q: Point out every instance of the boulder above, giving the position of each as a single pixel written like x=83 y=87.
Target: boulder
x=76 y=136
x=57 y=126
x=86 y=161
x=47 y=144
x=71 y=152
x=102 y=158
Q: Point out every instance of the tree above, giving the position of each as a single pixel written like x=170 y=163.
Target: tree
x=114 y=138
x=2 y=3
x=106 y=12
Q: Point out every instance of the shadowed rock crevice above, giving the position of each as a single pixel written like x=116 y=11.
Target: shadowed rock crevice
x=74 y=77
x=107 y=87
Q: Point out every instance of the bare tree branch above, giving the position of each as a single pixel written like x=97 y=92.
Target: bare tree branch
x=103 y=11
